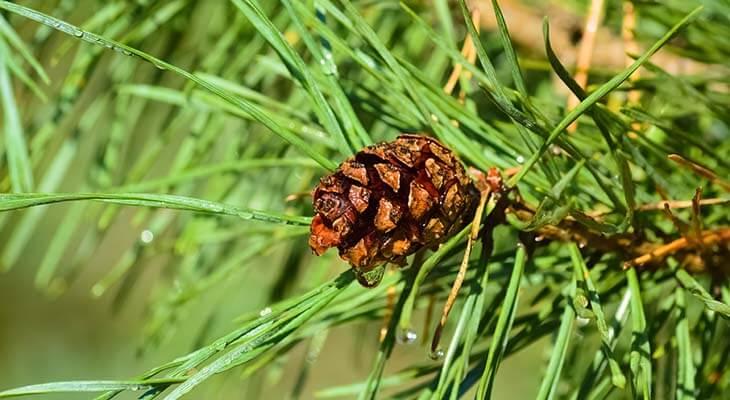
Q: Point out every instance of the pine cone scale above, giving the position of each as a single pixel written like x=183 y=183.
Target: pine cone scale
x=355 y=171
x=420 y=201
x=322 y=237
x=359 y=197
x=388 y=215
x=390 y=175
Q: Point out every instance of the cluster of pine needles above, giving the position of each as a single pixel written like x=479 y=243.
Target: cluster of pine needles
x=610 y=241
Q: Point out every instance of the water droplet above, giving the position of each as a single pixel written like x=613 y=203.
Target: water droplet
x=436 y=355
x=159 y=66
x=122 y=51
x=266 y=311
x=78 y=33
x=520 y=159
x=581 y=321
x=146 y=236
x=407 y=336
x=97 y=290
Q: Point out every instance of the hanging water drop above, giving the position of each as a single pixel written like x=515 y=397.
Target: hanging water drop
x=159 y=65
x=407 y=336
x=146 y=236
x=436 y=355
x=122 y=51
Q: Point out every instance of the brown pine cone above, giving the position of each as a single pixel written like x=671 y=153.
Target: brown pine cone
x=389 y=200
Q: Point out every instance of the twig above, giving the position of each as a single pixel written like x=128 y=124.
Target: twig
x=456 y=72
x=469 y=52
x=585 y=53
x=487 y=186
x=673 y=204
x=696 y=216
x=681 y=227
x=630 y=47
x=676 y=204
x=700 y=170
x=708 y=238
x=460 y=275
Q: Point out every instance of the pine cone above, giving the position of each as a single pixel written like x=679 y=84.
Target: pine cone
x=389 y=200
